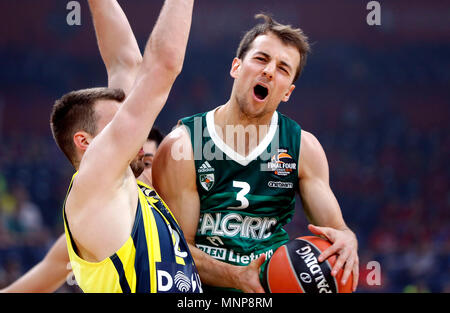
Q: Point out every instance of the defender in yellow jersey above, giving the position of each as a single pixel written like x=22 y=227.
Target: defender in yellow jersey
x=122 y=58
x=50 y=273
x=143 y=263
x=118 y=238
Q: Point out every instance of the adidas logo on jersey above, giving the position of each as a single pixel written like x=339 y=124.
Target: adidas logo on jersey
x=206 y=176
x=205 y=167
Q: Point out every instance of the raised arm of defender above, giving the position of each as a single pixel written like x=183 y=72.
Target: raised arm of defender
x=101 y=221
x=117 y=43
x=121 y=140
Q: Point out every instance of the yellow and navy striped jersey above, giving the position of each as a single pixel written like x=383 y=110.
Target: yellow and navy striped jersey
x=155 y=258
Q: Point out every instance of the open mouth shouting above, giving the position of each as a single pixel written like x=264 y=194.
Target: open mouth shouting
x=260 y=92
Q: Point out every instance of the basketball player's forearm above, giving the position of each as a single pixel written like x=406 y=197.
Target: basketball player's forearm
x=320 y=204
x=117 y=43
x=212 y=272
x=168 y=41
x=49 y=274
x=163 y=59
x=41 y=278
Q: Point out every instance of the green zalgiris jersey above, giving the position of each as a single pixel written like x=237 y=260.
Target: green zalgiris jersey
x=244 y=201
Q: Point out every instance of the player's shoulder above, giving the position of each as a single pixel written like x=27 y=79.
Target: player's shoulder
x=178 y=136
x=309 y=140
x=312 y=154
x=181 y=137
x=310 y=145
x=175 y=152
x=190 y=119
x=173 y=162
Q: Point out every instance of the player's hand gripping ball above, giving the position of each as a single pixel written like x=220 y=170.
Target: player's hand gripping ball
x=294 y=268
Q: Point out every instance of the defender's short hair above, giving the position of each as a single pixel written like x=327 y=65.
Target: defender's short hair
x=74 y=112
x=156 y=135
x=287 y=34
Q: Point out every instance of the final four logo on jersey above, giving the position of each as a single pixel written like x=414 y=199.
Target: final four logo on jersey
x=281 y=163
x=206 y=175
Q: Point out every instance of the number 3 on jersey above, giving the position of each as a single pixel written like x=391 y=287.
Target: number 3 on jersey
x=240 y=196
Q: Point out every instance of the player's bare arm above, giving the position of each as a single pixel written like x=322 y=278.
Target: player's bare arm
x=116 y=42
x=46 y=276
x=98 y=226
x=174 y=179
x=322 y=208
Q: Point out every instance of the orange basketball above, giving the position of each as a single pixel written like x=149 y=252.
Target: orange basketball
x=294 y=268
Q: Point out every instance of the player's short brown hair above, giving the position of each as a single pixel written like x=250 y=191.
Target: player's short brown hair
x=287 y=34
x=156 y=135
x=75 y=112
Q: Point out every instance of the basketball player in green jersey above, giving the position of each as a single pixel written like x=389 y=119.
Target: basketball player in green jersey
x=233 y=196
x=54 y=270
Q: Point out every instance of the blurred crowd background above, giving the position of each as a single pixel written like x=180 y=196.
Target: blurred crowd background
x=376 y=97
